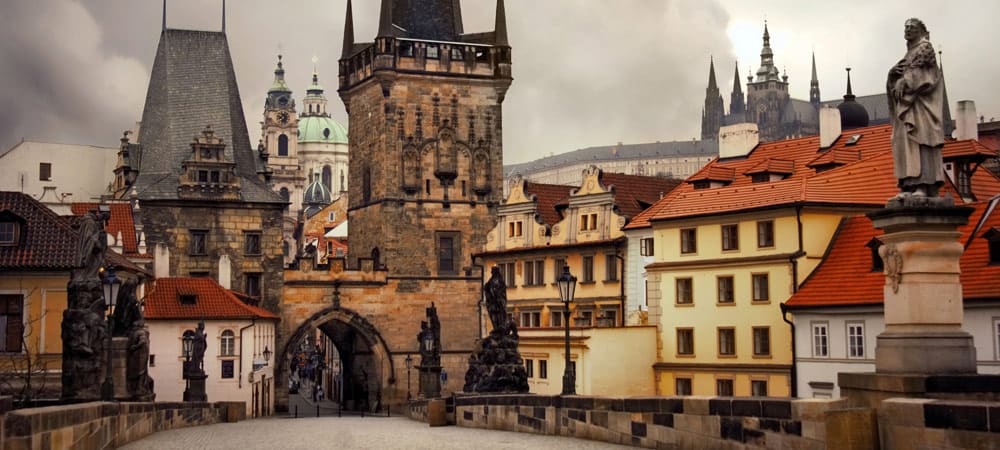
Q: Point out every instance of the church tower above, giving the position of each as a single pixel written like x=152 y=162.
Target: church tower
x=767 y=95
x=711 y=115
x=737 y=106
x=279 y=136
x=814 y=86
x=426 y=168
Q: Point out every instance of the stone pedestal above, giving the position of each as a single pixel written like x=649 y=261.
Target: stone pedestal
x=923 y=293
x=430 y=381
x=195 y=391
x=119 y=359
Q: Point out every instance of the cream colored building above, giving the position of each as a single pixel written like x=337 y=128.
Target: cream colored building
x=543 y=228
x=58 y=174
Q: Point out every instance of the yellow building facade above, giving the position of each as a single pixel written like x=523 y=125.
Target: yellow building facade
x=543 y=228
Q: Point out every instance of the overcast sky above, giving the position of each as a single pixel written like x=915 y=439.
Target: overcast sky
x=587 y=72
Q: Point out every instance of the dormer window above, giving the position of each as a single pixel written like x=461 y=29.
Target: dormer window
x=873 y=245
x=992 y=237
x=703 y=184
x=762 y=177
x=8 y=233
x=188 y=299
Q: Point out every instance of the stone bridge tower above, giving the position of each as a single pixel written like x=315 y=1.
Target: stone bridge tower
x=426 y=174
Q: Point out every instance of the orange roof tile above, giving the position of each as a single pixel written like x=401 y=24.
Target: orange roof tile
x=865 y=178
x=213 y=301
x=845 y=276
x=714 y=173
x=120 y=222
x=634 y=193
x=46 y=240
x=773 y=165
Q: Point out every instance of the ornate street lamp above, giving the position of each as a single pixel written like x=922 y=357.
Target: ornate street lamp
x=187 y=345
x=409 y=365
x=267 y=355
x=567 y=287
x=111 y=285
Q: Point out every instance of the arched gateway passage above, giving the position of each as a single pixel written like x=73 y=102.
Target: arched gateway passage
x=365 y=363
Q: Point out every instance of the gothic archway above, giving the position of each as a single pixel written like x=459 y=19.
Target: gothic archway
x=366 y=363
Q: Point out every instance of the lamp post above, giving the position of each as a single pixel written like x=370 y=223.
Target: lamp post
x=567 y=287
x=111 y=285
x=267 y=356
x=409 y=365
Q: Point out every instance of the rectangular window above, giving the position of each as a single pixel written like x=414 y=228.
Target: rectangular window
x=215 y=176
x=762 y=341
x=758 y=388
x=761 y=287
x=531 y=319
x=682 y=386
x=724 y=388
x=730 y=237
x=996 y=329
x=529 y=367
x=11 y=322
x=725 y=289
x=593 y=221
x=507 y=272
x=765 y=234
x=252 y=284
x=510 y=229
x=608 y=318
x=685 y=291
x=727 y=342
x=534 y=273
x=821 y=340
x=685 y=341
x=588 y=269
x=689 y=242
x=557 y=268
x=44 y=171
x=251 y=243
x=583 y=222
x=203 y=176
x=518 y=228
x=543 y=368
x=856 y=340
x=448 y=252
x=227 y=368
x=584 y=318
x=610 y=268
x=646 y=247
x=199 y=242
x=8 y=233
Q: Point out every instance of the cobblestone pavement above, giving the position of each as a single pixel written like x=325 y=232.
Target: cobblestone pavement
x=350 y=433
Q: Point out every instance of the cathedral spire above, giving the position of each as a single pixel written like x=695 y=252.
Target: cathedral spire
x=348 y=32
x=164 y=15
x=711 y=74
x=767 y=70
x=714 y=109
x=500 y=30
x=385 y=28
x=814 y=98
x=223 y=16
x=736 y=102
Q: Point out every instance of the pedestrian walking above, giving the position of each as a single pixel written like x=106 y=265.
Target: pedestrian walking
x=319 y=395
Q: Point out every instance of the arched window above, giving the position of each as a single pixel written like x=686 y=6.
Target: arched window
x=283 y=145
x=285 y=195
x=327 y=178
x=227 y=344
x=284 y=248
x=343 y=186
x=366 y=184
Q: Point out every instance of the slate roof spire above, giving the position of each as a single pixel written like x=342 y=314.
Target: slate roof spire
x=500 y=29
x=385 y=28
x=348 y=32
x=711 y=74
x=736 y=103
x=814 y=84
x=439 y=20
x=767 y=70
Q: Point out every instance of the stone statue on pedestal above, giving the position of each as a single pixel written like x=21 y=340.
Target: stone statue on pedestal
x=496 y=365
x=128 y=322
x=429 y=342
x=194 y=367
x=916 y=103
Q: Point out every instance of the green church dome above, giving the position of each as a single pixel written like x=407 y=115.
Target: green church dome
x=321 y=129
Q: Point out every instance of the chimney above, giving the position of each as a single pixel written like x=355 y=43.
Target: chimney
x=829 y=126
x=738 y=139
x=965 y=121
x=161 y=261
x=225 y=272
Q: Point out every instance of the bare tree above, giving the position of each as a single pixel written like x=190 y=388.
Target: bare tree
x=25 y=375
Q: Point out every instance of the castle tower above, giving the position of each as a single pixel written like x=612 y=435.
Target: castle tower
x=425 y=105
x=767 y=95
x=711 y=116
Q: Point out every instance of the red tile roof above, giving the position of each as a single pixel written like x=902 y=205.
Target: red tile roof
x=547 y=196
x=714 y=173
x=865 y=179
x=845 y=277
x=213 y=301
x=46 y=241
x=773 y=165
x=120 y=222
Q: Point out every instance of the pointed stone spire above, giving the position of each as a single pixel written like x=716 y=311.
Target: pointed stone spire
x=737 y=104
x=500 y=30
x=459 y=27
x=767 y=70
x=348 y=33
x=223 y=16
x=946 y=121
x=714 y=108
x=711 y=74
x=385 y=28
x=814 y=97
x=164 y=15
x=850 y=93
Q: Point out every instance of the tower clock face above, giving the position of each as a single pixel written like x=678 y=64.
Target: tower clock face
x=283 y=117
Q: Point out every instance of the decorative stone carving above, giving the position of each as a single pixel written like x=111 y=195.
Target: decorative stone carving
x=84 y=333
x=496 y=365
x=893 y=263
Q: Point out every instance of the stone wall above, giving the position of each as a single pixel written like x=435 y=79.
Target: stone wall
x=657 y=422
x=99 y=425
x=939 y=424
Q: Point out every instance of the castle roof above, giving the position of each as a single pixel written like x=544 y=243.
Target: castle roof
x=652 y=150
x=193 y=84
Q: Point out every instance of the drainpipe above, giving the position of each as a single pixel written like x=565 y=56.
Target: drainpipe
x=482 y=285
x=794 y=375
x=253 y=321
x=621 y=280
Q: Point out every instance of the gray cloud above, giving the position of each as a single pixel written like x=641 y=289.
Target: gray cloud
x=587 y=72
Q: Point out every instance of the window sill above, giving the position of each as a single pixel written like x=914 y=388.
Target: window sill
x=733 y=356
x=762 y=356
x=725 y=303
x=612 y=281
x=684 y=305
x=588 y=282
x=760 y=302
x=680 y=355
